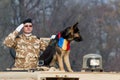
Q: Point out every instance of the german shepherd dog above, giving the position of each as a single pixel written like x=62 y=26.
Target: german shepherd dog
x=59 y=48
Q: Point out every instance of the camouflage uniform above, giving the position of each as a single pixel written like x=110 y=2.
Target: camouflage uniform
x=27 y=49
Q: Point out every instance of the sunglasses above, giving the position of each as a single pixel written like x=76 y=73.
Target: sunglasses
x=28 y=26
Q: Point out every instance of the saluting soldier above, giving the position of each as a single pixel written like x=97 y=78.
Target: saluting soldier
x=26 y=45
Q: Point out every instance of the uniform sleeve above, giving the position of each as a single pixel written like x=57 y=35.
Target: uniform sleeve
x=10 y=39
x=43 y=44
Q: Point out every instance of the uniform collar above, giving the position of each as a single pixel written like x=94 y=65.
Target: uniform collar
x=27 y=35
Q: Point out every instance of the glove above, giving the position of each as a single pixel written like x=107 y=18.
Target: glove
x=53 y=36
x=19 y=27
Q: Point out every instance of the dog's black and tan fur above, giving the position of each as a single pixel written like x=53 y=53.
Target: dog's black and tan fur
x=54 y=53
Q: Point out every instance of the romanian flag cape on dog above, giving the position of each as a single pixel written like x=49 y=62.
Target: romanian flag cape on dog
x=63 y=43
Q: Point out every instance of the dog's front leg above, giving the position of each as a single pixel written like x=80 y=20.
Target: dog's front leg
x=60 y=62
x=67 y=61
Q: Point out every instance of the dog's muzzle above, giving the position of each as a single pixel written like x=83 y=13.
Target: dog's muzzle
x=78 y=39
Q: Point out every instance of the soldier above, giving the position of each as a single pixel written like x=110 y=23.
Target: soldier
x=26 y=45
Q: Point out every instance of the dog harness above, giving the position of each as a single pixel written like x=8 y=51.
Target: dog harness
x=63 y=43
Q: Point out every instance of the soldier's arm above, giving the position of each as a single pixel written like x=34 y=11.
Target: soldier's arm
x=10 y=39
x=43 y=44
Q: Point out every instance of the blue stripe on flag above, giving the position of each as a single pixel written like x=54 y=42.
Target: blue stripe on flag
x=60 y=43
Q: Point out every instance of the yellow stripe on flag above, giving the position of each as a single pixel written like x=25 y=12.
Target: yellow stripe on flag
x=64 y=44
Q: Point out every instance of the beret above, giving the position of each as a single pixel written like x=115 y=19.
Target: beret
x=28 y=20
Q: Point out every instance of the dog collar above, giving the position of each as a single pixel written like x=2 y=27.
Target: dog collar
x=63 y=43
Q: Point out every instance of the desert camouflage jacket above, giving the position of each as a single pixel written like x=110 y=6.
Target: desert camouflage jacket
x=27 y=49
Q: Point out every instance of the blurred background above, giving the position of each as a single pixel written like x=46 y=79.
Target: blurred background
x=99 y=24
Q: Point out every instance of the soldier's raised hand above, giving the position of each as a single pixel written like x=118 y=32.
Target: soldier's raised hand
x=19 y=27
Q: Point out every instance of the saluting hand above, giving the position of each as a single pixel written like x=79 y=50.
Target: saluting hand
x=19 y=27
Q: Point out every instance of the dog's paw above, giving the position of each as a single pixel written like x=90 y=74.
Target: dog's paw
x=70 y=70
x=63 y=71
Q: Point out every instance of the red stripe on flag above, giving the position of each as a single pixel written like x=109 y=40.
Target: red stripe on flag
x=68 y=46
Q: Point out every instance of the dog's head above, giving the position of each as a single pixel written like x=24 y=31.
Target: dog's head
x=72 y=33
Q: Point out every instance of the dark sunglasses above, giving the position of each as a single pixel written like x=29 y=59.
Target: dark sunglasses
x=28 y=25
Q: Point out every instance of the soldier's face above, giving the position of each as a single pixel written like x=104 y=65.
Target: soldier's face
x=27 y=28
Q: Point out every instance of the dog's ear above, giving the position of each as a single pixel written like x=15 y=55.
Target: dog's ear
x=75 y=28
x=75 y=25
